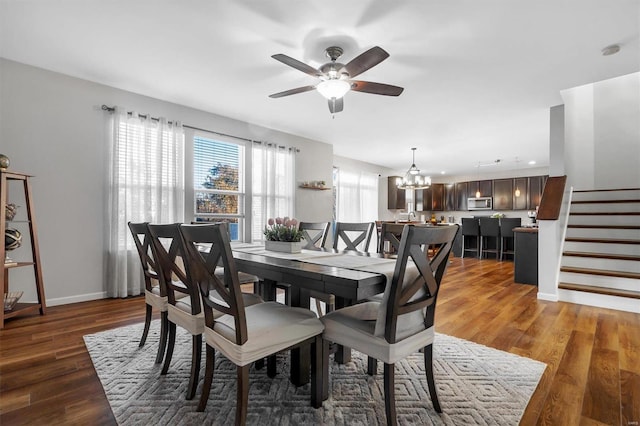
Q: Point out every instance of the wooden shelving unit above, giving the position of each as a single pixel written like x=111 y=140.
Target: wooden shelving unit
x=29 y=227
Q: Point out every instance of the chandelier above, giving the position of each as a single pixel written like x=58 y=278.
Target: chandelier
x=412 y=179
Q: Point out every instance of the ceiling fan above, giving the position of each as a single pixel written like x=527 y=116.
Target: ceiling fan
x=336 y=78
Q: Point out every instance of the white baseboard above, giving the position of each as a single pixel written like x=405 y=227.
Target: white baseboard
x=77 y=298
x=552 y=297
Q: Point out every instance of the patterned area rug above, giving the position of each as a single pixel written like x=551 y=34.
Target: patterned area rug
x=476 y=385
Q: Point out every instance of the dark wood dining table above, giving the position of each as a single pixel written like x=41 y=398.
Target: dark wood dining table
x=326 y=271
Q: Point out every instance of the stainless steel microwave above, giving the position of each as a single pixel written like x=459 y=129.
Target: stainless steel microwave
x=482 y=203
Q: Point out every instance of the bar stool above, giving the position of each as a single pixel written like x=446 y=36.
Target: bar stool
x=470 y=230
x=489 y=230
x=507 y=245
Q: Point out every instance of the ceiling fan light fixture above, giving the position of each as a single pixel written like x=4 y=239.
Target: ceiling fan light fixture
x=333 y=88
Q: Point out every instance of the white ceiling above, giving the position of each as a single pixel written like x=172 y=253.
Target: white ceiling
x=479 y=76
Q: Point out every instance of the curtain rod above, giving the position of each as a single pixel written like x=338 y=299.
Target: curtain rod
x=111 y=109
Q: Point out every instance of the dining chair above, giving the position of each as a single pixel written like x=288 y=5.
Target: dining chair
x=168 y=251
x=355 y=236
x=470 y=232
x=245 y=333
x=402 y=323
x=314 y=234
x=507 y=245
x=155 y=295
x=390 y=232
x=489 y=236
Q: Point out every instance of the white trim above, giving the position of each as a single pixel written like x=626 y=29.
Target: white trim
x=77 y=298
x=552 y=297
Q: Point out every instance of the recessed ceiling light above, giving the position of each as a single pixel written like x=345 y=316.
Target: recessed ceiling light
x=532 y=162
x=442 y=172
x=611 y=50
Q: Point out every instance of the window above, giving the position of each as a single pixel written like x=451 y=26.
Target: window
x=273 y=185
x=219 y=183
x=357 y=196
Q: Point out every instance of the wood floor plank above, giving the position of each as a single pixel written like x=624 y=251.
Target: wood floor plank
x=478 y=301
x=630 y=398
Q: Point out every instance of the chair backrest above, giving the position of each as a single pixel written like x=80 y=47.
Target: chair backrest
x=314 y=234
x=409 y=302
x=470 y=226
x=208 y=247
x=142 y=240
x=168 y=250
x=391 y=232
x=507 y=224
x=356 y=236
x=489 y=226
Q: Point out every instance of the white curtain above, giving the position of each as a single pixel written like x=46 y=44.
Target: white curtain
x=273 y=185
x=146 y=184
x=357 y=196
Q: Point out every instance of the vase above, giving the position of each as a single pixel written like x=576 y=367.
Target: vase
x=284 y=246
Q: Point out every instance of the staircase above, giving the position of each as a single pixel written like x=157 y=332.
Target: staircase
x=601 y=259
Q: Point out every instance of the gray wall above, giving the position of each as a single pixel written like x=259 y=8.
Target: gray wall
x=602 y=134
x=51 y=126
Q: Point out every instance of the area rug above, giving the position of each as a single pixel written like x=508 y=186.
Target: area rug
x=476 y=385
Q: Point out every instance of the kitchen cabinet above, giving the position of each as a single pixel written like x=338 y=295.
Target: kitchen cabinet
x=525 y=265
x=461 y=196
x=503 y=194
x=449 y=196
x=536 y=186
x=521 y=202
x=437 y=197
x=484 y=186
x=424 y=199
x=396 y=198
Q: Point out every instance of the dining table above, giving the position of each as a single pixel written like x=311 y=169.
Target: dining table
x=350 y=276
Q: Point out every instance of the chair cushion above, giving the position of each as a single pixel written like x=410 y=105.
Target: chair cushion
x=154 y=299
x=355 y=327
x=180 y=314
x=243 y=277
x=271 y=327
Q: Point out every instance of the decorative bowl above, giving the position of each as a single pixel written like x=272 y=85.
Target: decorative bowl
x=11 y=298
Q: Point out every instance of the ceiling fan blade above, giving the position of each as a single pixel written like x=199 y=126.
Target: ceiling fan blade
x=366 y=60
x=336 y=105
x=292 y=91
x=301 y=66
x=376 y=88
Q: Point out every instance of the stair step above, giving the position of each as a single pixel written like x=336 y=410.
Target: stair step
x=601 y=255
x=618 y=194
x=633 y=213
x=599 y=290
x=596 y=226
x=616 y=201
x=602 y=240
x=601 y=272
x=606 y=190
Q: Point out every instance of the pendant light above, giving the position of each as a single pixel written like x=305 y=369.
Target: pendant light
x=478 y=194
x=517 y=191
x=412 y=179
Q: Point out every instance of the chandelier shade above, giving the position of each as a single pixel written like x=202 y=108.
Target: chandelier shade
x=413 y=179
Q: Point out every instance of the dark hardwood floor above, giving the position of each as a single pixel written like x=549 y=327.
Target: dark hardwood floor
x=592 y=354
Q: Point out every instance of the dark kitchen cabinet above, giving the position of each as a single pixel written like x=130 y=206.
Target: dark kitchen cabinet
x=536 y=186
x=461 y=196
x=424 y=199
x=484 y=186
x=437 y=197
x=396 y=198
x=449 y=196
x=503 y=194
x=520 y=202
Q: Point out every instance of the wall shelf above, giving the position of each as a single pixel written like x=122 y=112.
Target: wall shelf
x=317 y=188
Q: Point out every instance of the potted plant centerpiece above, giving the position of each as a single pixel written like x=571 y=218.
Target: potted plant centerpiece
x=282 y=234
